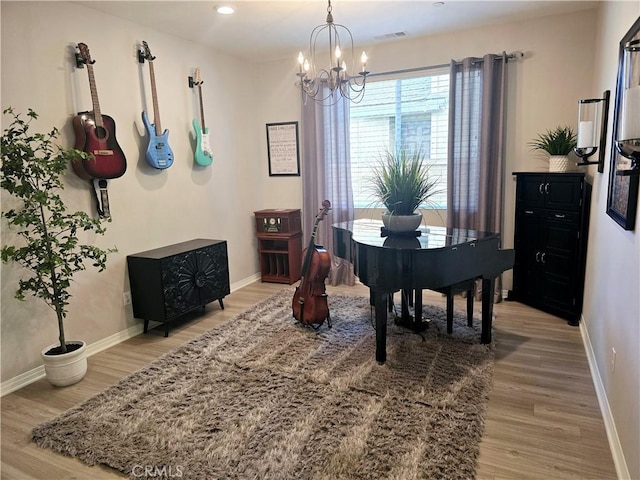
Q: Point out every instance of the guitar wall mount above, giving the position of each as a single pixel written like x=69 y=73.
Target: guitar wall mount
x=80 y=62
x=142 y=57
x=193 y=83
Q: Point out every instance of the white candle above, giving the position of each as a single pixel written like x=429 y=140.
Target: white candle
x=585 y=135
x=630 y=115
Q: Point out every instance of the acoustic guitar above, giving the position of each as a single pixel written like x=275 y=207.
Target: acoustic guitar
x=96 y=135
x=203 y=154
x=159 y=154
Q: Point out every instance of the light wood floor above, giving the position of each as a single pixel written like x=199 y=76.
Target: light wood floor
x=543 y=420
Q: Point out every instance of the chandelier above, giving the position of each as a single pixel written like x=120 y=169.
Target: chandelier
x=327 y=83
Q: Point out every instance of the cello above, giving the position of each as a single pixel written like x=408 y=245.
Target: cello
x=310 y=298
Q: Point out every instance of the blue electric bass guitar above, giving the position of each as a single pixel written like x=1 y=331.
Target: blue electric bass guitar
x=159 y=154
x=203 y=154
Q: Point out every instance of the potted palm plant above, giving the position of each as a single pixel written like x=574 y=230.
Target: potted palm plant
x=402 y=183
x=43 y=235
x=558 y=143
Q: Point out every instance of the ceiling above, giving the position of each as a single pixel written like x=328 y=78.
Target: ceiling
x=272 y=30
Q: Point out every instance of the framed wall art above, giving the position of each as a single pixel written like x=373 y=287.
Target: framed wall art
x=283 y=149
x=622 y=199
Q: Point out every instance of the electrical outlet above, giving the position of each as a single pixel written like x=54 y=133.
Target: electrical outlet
x=126 y=298
x=613 y=360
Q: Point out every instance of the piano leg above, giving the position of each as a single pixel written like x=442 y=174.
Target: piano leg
x=470 y=308
x=417 y=311
x=406 y=320
x=405 y=303
x=487 y=309
x=450 y=294
x=380 y=305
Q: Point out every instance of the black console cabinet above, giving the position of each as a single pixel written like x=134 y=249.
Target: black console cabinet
x=552 y=223
x=170 y=281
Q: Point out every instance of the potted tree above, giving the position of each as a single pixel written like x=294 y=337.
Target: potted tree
x=45 y=235
x=558 y=143
x=402 y=183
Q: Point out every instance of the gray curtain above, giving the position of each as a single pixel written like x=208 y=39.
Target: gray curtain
x=475 y=170
x=326 y=174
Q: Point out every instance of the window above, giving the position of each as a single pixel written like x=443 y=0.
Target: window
x=412 y=112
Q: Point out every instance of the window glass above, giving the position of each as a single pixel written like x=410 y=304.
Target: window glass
x=408 y=112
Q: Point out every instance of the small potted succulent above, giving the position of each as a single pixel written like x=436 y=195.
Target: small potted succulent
x=43 y=236
x=558 y=143
x=402 y=183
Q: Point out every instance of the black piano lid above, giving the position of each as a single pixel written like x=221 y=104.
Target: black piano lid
x=368 y=232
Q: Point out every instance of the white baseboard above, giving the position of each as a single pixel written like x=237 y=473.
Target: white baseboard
x=246 y=281
x=22 y=380
x=38 y=373
x=26 y=378
x=609 y=423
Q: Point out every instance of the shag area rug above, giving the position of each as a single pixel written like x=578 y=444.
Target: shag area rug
x=263 y=397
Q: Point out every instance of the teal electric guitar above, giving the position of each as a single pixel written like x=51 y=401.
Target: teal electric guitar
x=203 y=154
x=159 y=154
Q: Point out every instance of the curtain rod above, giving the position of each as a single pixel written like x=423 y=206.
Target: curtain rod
x=510 y=56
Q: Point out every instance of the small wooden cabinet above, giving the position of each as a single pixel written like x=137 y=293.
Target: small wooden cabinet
x=552 y=223
x=279 y=234
x=170 y=281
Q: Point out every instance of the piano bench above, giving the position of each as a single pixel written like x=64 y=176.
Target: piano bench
x=450 y=291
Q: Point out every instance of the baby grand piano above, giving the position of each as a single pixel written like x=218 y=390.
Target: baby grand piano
x=436 y=259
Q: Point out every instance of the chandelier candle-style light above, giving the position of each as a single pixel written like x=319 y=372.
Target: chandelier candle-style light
x=325 y=84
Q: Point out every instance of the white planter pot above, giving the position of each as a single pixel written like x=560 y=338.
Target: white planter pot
x=558 y=163
x=402 y=223
x=67 y=368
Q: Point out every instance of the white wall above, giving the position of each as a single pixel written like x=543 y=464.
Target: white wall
x=278 y=102
x=150 y=208
x=612 y=292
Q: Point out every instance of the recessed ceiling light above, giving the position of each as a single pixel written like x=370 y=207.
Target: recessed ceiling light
x=225 y=9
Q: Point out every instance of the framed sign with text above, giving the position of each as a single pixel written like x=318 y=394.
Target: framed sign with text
x=283 y=149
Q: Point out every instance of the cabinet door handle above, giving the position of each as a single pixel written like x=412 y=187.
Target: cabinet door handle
x=544 y=254
x=540 y=188
x=559 y=215
x=546 y=189
x=537 y=257
x=530 y=212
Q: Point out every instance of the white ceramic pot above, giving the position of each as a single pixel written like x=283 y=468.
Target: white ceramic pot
x=67 y=368
x=558 y=163
x=402 y=223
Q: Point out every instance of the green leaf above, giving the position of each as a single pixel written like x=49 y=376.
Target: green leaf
x=402 y=182
x=32 y=166
x=559 y=141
